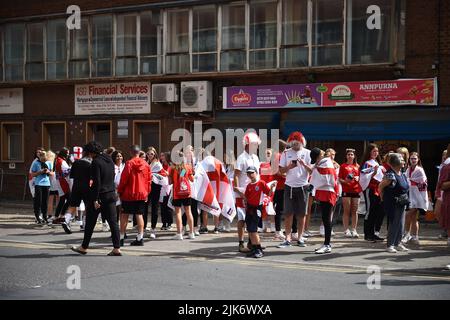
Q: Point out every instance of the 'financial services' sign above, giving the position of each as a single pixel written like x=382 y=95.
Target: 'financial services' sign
x=112 y=98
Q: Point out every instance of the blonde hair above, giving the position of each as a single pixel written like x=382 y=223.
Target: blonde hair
x=51 y=156
x=404 y=151
x=43 y=153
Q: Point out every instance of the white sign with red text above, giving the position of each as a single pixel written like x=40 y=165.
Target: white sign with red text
x=112 y=98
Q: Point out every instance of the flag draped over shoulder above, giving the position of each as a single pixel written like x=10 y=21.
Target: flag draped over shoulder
x=418 y=194
x=325 y=177
x=213 y=188
x=366 y=173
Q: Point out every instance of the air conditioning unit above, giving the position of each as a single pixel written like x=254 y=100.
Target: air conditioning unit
x=196 y=96
x=164 y=92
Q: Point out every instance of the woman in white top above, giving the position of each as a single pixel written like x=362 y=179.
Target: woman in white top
x=418 y=196
x=117 y=158
x=53 y=196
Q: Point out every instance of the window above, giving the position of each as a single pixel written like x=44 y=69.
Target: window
x=53 y=135
x=12 y=141
x=14 y=51
x=99 y=131
x=126 y=45
x=294 y=51
x=327 y=33
x=365 y=45
x=147 y=134
x=233 y=55
x=151 y=42
x=263 y=35
x=79 y=51
x=35 y=52
x=204 y=39
x=177 y=59
x=102 y=46
x=1 y=55
x=56 y=49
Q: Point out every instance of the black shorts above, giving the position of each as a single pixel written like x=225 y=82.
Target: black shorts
x=181 y=202
x=133 y=207
x=76 y=196
x=53 y=193
x=251 y=219
x=350 y=195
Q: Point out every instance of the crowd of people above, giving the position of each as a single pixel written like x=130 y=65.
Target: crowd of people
x=123 y=188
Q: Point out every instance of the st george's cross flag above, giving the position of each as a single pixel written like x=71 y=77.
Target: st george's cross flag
x=213 y=188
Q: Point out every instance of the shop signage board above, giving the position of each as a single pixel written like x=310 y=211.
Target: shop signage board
x=11 y=100
x=367 y=93
x=112 y=98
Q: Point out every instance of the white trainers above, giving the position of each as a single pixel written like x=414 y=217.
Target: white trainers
x=196 y=233
x=279 y=236
x=178 y=236
x=354 y=234
x=148 y=229
x=294 y=236
x=332 y=233
x=152 y=234
x=401 y=247
x=406 y=238
x=323 y=249
x=307 y=234
x=414 y=240
x=322 y=230
x=192 y=235
x=105 y=227
x=391 y=249
x=348 y=234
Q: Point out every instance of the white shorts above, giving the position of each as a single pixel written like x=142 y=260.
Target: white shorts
x=240 y=213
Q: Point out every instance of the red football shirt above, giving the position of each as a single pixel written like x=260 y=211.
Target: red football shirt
x=345 y=170
x=253 y=192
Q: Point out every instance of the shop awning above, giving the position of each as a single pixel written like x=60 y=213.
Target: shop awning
x=386 y=124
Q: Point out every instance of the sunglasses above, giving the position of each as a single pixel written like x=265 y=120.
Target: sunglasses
x=349 y=150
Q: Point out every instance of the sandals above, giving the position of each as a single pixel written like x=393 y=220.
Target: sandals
x=77 y=250
x=115 y=254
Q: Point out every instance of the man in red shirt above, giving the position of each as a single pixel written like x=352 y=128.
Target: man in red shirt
x=133 y=190
x=253 y=198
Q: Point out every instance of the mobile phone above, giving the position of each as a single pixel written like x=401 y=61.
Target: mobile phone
x=294 y=161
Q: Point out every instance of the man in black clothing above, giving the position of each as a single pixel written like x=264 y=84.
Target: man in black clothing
x=102 y=197
x=81 y=175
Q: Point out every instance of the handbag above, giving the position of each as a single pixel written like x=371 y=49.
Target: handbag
x=402 y=200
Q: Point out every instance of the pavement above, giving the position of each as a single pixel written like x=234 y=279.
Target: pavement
x=36 y=263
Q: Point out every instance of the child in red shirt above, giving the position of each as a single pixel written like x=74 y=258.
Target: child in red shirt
x=253 y=196
x=180 y=176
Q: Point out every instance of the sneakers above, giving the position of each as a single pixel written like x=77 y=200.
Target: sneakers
x=260 y=230
x=294 y=236
x=377 y=238
x=258 y=253
x=178 y=236
x=301 y=243
x=137 y=242
x=348 y=234
x=354 y=234
x=401 y=247
x=203 y=230
x=307 y=234
x=105 y=227
x=279 y=236
x=284 y=244
x=323 y=249
x=391 y=249
x=66 y=227
x=414 y=240
x=82 y=227
x=196 y=233
x=192 y=235
x=169 y=227
x=152 y=234
x=242 y=248
x=216 y=230
x=332 y=233
x=163 y=228
x=406 y=238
